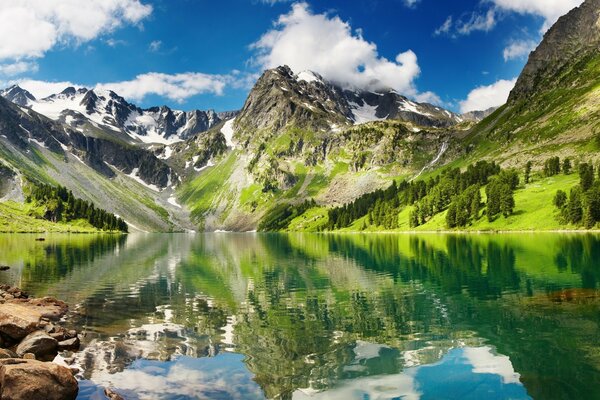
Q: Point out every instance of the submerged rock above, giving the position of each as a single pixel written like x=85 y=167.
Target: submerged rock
x=40 y=344
x=35 y=380
x=112 y=395
x=48 y=307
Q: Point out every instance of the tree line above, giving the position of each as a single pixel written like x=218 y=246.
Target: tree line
x=454 y=190
x=60 y=205
x=581 y=207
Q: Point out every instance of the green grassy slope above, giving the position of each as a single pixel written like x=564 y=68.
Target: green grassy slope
x=17 y=217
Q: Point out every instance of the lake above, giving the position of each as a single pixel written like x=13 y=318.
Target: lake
x=308 y=316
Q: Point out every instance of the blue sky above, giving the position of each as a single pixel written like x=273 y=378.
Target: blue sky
x=205 y=54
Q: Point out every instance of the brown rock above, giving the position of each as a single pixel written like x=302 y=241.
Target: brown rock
x=69 y=344
x=5 y=353
x=112 y=395
x=39 y=343
x=17 y=321
x=28 y=356
x=48 y=307
x=35 y=380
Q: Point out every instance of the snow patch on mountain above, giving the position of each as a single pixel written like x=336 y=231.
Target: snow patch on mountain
x=227 y=131
x=364 y=113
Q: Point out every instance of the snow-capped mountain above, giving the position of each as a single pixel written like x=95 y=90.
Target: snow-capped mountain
x=89 y=109
x=18 y=96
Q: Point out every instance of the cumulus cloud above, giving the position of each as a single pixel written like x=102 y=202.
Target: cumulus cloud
x=550 y=10
x=484 y=97
x=328 y=45
x=29 y=28
x=177 y=87
x=41 y=89
x=519 y=49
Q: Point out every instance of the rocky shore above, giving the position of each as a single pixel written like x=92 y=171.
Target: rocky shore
x=30 y=338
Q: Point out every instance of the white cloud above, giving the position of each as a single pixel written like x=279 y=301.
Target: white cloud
x=484 y=97
x=177 y=87
x=518 y=49
x=41 y=89
x=411 y=3
x=468 y=24
x=29 y=28
x=155 y=46
x=328 y=45
x=445 y=27
x=550 y=10
x=477 y=22
x=18 y=68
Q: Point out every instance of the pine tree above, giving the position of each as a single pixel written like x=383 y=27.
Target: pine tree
x=528 y=171
x=566 y=166
x=560 y=199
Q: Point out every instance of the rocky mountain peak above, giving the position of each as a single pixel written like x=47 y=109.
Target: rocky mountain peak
x=573 y=37
x=18 y=95
x=306 y=100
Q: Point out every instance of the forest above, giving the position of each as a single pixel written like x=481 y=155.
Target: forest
x=60 y=205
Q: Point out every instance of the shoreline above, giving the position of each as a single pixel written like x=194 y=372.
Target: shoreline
x=404 y=232
x=36 y=349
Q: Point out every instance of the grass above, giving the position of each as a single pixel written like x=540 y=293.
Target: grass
x=534 y=211
x=200 y=194
x=19 y=218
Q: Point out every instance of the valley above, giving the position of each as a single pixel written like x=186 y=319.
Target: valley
x=300 y=138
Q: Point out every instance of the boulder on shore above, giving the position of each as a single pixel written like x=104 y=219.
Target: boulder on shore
x=35 y=380
x=18 y=321
x=48 y=307
x=40 y=344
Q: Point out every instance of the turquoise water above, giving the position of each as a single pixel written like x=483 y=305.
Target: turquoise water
x=306 y=316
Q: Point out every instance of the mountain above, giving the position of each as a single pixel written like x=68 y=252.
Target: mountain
x=127 y=180
x=552 y=117
x=88 y=110
x=568 y=46
x=281 y=98
x=553 y=108
x=477 y=116
x=18 y=96
x=300 y=137
x=302 y=145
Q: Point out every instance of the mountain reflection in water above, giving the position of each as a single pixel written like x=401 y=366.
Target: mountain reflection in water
x=244 y=316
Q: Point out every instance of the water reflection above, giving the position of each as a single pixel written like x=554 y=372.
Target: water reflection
x=326 y=316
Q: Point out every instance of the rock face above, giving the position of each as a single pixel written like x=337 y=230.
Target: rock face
x=571 y=39
x=477 y=116
x=18 y=95
x=306 y=100
x=17 y=321
x=43 y=346
x=35 y=380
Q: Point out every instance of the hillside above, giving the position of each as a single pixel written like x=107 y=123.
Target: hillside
x=553 y=112
x=554 y=108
